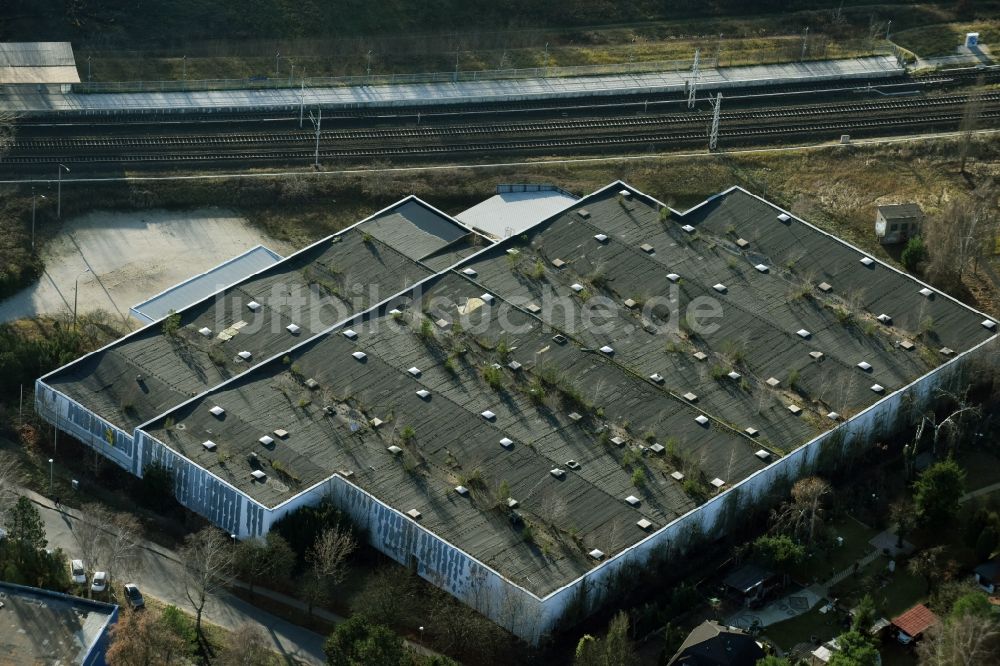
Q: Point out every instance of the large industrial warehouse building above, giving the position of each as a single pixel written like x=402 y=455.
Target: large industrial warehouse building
x=463 y=399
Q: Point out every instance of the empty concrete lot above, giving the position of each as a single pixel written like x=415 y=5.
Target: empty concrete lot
x=122 y=258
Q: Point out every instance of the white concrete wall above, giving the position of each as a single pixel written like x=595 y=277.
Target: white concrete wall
x=70 y=416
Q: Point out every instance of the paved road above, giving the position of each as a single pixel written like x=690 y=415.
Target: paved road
x=161 y=577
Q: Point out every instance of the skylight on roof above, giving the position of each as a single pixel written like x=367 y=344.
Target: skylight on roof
x=803 y=333
x=677 y=475
x=656 y=378
x=795 y=409
x=462 y=490
x=688 y=228
x=867 y=261
x=734 y=375
x=486 y=298
x=632 y=500
x=617 y=441
x=293 y=329
x=824 y=287
x=506 y=442
x=865 y=365
x=773 y=382
x=209 y=445
x=514 y=365
x=717 y=482
x=245 y=355
x=394 y=450
x=833 y=416
x=558 y=263
x=360 y=355
x=989 y=324
x=533 y=308
x=926 y=292
x=742 y=242
x=266 y=440
x=701 y=419
x=351 y=334
x=644 y=524
x=415 y=371
x=784 y=217
x=572 y=464
x=596 y=554
x=751 y=432
x=655 y=447
x=488 y=415
x=762 y=268
x=700 y=355
x=721 y=288
x=647 y=248
x=206 y=331
x=601 y=238
x=878 y=388
x=471 y=272
x=607 y=350
x=763 y=454
x=558 y=473
x=414 y=514
x=254 y=306
x=885 y=319
x=673 y=277
x=584 y=213
x=258 y=475
x=690 y=397
x=816 y=355
x=424 y=394
x=217 y=411
x=577 y=287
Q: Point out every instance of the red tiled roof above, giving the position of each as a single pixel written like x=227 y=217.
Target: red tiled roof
x=916 y=620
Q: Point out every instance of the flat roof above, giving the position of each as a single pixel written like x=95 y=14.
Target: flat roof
x=150 y=371
x=496 y=374
x=37 y=62
x=516 y=208
x=199 y=287
x=43 y=627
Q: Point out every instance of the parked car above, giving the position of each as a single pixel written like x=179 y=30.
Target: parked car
x=79 y=574
x=99 y=582
x=133 y=597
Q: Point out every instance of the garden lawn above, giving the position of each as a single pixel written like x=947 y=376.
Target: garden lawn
x=833 y=559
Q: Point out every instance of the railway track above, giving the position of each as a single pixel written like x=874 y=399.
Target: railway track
x=741 y=135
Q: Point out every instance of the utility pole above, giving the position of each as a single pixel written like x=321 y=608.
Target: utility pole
x=713 y=137
x=888 y=26
x=456 y=64
x=368 y=68
x=546 y=58
x=76 y=291
x=33 y=197
x=88 y=69
x=317 y=121
x=805 y=43
x=277 y=62
x=184 y=63
x=291 y=72
x=59 y=190
x=302 y=98
x=693 y=82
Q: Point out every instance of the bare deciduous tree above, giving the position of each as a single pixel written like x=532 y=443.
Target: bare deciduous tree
x=961 y=235
x=109 y=541
x=8 y=121
x=970 y=123
x=328 y=563
x=803 y=516
x=9 y=469
x=140 y=639
x=968 y=640
x=207 y=557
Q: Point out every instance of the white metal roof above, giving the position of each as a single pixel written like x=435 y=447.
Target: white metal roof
x=513 y=212
x=37 y=62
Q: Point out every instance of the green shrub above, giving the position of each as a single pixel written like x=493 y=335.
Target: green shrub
x=914 y=254
x=171 y=324
x=493 y=377
x=638 y=477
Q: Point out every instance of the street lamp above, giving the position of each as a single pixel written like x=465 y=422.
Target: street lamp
x=421 y=633
x=277 y=59
x=76 y=290
x=59 y=171
x=51 y=461
x=184 y=64
x=33 y=197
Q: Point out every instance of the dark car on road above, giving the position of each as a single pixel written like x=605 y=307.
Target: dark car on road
x=133 y=597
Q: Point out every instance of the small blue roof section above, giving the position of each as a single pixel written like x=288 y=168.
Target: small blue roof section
x=196 y=288
x=516 y=208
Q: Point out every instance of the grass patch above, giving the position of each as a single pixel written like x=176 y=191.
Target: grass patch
x=833 y=559
x=801 y=628
x=941 y=39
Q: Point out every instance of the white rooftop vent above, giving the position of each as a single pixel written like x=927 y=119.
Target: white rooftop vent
x=351 y=334
x=816 y=355
x=656 y=378
x=488 y=415
x=885 y=319
x=773 y=382
x=677 y=476
x=258 y=475
x=506 y=442
x=584 y=213
x=359 y=355
x=254 y=306
x=795 y=409
x=926 y=292
x=415 y=371
x=762 y=268
x=688 y=228
x=312 y=383
x=394 y=450
x=601 y=238
x=752 y=432
x=701 y=419
x=424 y=394
x=629 y=303
x=907 y=345
x=395 y=312
x=721 y=288
x=644 y=524
x=513 y=251
x=878 y=388
x=559 y=339
x=946 y=351
x=245 y=355
x=833 y=416
x=462 y=490
x=486 y=298
x=209 y=445
x=577 y=287
x=514 y=365
x=471 y=272
x=734 y=375
x=655 y=447
x=217 y=411
x=690 y=397
x=865 y=365
x=558 y=263
x=376 y=422
x=717 y=482
x=825 y=287
x=673 y=277
x=413 y=513
x=763 y=455
x=617 y=441
x=266 y=440
x=625 y=193
x=647 y=248
x=803 y=333
x=206 y=331
x=742 y=242
x=596 y=554
x=607 y=350
x=575 y=416
x=512 y=503
x=557 y=473
x=281 y=433
x=572 y=464
x=700 y=355
x=293 y=329
x=989 y=324
x=533 y=308
x=784 y=217
x=867 y=261
x=632 y=500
